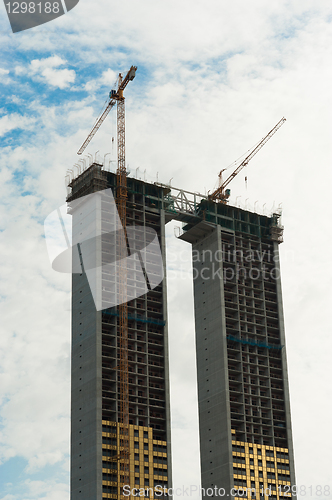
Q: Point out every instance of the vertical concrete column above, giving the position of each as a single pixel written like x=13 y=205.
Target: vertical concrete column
x=276 y=259
x=166 y=352
x=86 y=394
x=212 y=372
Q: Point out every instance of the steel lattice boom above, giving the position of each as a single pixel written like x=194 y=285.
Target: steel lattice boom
x=115 y=96
x=220 y=194
x=97 y=125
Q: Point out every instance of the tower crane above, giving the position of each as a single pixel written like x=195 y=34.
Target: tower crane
x=221 y=195
x=117 y=97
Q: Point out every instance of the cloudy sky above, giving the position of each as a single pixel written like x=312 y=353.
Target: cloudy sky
x=213 y=78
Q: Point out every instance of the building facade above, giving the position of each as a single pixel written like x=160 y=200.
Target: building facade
x=244 y=406
x=95 y=430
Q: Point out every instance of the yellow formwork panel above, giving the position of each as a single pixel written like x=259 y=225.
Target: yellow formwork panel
x=257 y=467
x=145 y=449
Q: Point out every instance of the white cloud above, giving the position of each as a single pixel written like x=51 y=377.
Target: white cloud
x=48 y=71
x=109 y=77
x=14 y=121
x=4 y=78
x=19 y=70
x=59 y=78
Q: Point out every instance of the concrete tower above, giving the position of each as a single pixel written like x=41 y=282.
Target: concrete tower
x=244 y=407
x=95 y=470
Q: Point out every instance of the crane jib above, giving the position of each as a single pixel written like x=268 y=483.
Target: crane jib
x=219 y=194
x=114 y=95
x=97 y=125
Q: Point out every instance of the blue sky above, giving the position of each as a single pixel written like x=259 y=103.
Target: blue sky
x=213 y=78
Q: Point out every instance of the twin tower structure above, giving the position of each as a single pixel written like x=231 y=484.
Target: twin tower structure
x=243 y=397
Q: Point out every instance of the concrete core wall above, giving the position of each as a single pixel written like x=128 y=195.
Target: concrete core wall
x=86 y=395
x=211 y=349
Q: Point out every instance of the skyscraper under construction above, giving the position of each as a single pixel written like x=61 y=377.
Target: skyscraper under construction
x=243 y=396
x=244 y=408
x=97 y=463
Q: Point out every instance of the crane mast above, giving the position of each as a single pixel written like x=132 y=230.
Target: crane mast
x=121 y=199
x=117 y=97
x=220 y=194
